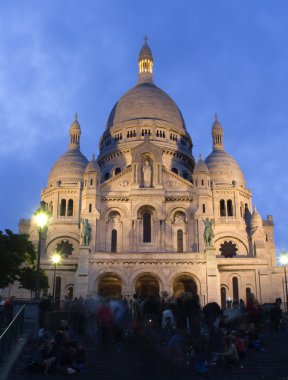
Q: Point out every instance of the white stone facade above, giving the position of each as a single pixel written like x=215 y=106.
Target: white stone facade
x=147 y=229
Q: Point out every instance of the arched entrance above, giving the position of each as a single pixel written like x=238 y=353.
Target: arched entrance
x=184 y=283
x=147 y=285
x=110 y=285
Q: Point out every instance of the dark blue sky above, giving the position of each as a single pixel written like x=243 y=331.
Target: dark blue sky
x=59 y=57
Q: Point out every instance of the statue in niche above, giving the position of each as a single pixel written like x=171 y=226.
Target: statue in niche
x=208 y=232
x=179 y=218
x=86 y=232
x=147 y=174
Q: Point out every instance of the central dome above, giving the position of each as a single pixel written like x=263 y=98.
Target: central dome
x=146 y=101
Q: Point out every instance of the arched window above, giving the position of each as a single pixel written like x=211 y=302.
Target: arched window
x=223 y=298
x=235 y=289
x=229 y=207
x=179 y=241
x=185 y=175
x=117 y=171
x=70 y=208
x=106 y=176
x=202 y=182
x=70 y=292
x=146 y=227
x=248 y=294
x=203 y=208
x=58 y=290
x=222 y=208
x=91 y=182
x=63 y=207
x=174 y=170
x=114 y=241
x=90 y=207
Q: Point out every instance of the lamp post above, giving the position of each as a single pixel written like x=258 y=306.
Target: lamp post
x=41 y=216
x=284 y=261
x=56 y=258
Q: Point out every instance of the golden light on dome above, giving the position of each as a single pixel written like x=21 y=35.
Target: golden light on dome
x=145 y=66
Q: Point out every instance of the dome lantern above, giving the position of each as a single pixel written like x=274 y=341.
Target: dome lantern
x=75 y=133
x=145 y=63
x=217 y=134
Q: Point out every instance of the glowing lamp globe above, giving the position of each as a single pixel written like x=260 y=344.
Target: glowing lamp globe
x=41 y=219
x=283 y=258
x=56 y=258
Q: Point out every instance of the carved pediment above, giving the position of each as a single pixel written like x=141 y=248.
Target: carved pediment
x=174 y=182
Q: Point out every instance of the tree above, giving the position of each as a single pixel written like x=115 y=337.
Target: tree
x=27 y=278
x=15 y=250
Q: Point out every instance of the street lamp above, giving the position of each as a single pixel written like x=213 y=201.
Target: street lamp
x=56 y=259
x=41 y=217
x=284 y=261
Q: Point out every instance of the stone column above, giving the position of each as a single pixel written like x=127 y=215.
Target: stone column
x=82 y=272
x=213 y=277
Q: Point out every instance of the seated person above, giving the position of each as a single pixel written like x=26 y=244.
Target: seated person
x=46 y=355
x=62 y=334
x=229 y=356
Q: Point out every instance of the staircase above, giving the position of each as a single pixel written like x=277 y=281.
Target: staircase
x=136 y=361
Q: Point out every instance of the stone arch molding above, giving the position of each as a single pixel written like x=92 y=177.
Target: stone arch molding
x=230 y=277
x=171 y=211
x=237 y=238
x=121 y=209
x=159 y=212
x=100 y=273
x=141 y=272
x=172 y=277
x=69 y=235
x=148 y=149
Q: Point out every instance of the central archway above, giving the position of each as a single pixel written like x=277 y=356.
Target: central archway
x=184 y=283
x=147 y=285
x=110 y=285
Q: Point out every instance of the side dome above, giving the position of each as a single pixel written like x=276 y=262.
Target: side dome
x=70 y=167
x=92 y=166
x=201 y=167
x=222 y=167
x=146 y=101
x=256 y=220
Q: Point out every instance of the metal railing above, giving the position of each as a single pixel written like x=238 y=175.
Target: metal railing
x=10 y=335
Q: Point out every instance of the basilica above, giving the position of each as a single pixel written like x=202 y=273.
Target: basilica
x=146 y=201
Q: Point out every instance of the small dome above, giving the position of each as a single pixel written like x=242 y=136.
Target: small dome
x=224 y=169
x=216 y=125
x=92 y=166
x=201 y=167
x=145 y=53
x=68 y=168
x=75 y=125
x=256 y=220
x=146 y=101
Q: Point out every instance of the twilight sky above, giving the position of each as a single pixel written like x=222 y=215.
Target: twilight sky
x=224 y=56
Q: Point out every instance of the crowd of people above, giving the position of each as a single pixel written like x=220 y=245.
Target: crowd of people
x=179 y=330
x=58 y=351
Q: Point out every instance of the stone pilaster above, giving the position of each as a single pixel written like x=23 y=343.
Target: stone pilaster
x=213 y=277
x=82 y=272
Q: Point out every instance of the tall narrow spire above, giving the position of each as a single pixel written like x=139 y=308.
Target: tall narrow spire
x=75 y=132
x=145 y=63
x=217 y=134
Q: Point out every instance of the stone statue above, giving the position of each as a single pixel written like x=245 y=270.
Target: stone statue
x=86 y=232
x=208 y=232
x=147 y=174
